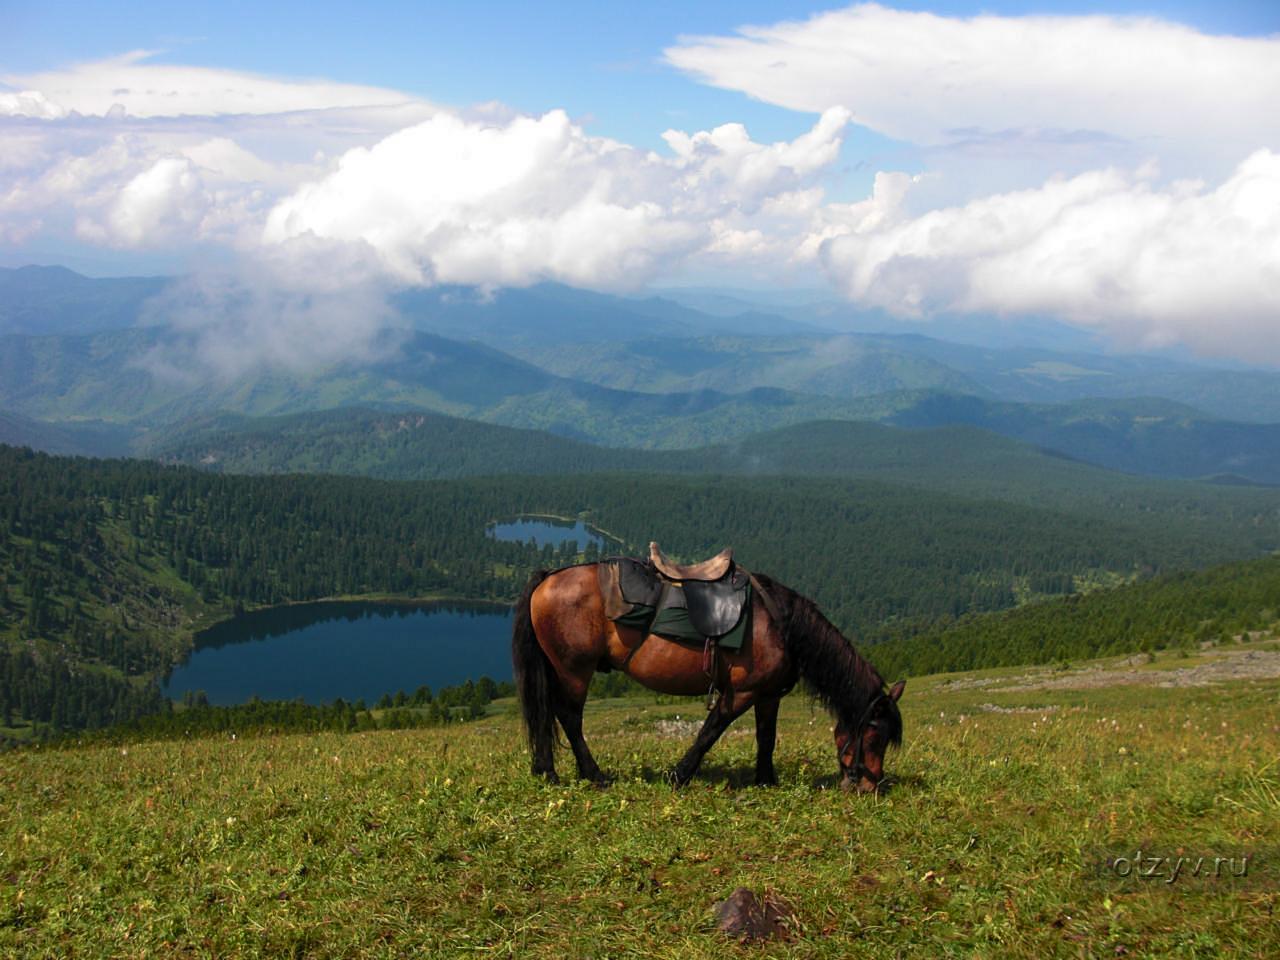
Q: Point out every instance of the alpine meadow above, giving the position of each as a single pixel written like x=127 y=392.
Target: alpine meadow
x=565 y=481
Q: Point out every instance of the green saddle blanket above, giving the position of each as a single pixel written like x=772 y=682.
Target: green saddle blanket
x=673 y=621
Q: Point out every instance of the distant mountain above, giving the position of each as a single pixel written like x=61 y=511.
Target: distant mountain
x=553 y=314
x=860 y=364
x=692 y=340
x=391 y=445
x=86 y=438
x=818 y=310
x=106 y=376
x=53 y=300
x=1144 y=435
x=842 y=367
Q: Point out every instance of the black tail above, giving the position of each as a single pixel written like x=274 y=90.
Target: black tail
x=534 y=681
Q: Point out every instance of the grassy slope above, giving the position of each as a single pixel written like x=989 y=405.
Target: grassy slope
x=438 y=843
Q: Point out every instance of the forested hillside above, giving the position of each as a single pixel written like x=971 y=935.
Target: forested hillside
x=1176 y=609
x=960 y=460
x=109 y=566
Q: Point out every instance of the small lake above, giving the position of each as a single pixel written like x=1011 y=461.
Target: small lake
x=546 y=530
x=322 y=651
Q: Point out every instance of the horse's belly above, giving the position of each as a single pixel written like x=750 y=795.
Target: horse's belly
x=668 y=667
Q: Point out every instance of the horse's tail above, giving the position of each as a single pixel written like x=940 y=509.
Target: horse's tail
x=535 y=681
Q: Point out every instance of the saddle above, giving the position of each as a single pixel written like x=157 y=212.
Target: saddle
x=691 y=603
x=703 y=571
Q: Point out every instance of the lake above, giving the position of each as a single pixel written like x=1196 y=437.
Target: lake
x=322 y=651
x=544 y=530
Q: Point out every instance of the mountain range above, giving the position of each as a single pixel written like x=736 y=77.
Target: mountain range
x=77 y=375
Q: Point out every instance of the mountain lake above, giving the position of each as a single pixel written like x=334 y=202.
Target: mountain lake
x=547 y=530
x=352 y=650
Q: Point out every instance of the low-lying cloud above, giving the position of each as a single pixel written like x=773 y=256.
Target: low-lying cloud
x=291 y=310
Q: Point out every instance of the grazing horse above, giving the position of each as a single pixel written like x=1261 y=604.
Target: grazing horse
x=561 y=637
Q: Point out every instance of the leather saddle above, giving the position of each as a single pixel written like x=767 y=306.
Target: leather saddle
x=716 y=592
x=705 y=570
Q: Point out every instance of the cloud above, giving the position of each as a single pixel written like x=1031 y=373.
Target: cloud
x=286 y=309
x=29 y=103
x=58 y=177
x=930 y=80
x=516 y=200
x=131 y=85
x=1146 y=265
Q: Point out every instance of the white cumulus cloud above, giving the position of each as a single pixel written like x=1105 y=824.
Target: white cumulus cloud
x=1147 y=265
x=514 y=201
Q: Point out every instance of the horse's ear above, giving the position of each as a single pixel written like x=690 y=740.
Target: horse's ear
x=896 y=690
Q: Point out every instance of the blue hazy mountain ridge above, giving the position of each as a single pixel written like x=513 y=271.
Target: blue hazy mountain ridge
x=415 y=445
x=551 y=313
x=816 y=309
x=841 y=366
x=1136 y=435
x=860 y=364
x=104 y=377
x=684 y=385
x=49 y=300
x=577 y=325
x=1141 y=436
x=93 y=438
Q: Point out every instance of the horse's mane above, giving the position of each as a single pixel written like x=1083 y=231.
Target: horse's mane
x=832 y=670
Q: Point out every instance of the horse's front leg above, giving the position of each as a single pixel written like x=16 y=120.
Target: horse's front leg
x=766 y=737
x=728 y=707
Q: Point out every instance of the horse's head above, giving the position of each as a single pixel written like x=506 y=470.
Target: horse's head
x=861 y=749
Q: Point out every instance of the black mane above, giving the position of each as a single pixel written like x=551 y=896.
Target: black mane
x=832 y=670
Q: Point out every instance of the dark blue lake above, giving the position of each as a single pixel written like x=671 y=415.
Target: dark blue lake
x=544 y=530
x=322 y=651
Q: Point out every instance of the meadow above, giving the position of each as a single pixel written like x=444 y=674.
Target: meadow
x=993 y=839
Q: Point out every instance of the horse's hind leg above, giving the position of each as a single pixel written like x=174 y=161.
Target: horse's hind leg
x=766 y=737
x=569 y=713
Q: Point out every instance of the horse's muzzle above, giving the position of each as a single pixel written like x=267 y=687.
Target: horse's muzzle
x=862 y=784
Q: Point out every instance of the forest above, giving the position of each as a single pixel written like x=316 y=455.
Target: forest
x=1175 y=610
x=109 y=567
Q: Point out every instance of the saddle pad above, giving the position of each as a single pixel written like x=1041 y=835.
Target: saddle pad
x=632 y=592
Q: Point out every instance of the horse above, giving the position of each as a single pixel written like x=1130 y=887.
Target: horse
x=561 y=637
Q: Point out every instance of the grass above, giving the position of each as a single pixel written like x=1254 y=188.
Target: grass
x=438 y=843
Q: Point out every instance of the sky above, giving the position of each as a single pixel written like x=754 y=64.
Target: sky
x=1112 y=166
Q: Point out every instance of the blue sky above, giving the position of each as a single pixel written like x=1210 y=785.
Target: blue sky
x=600 y=61
x=920 y=158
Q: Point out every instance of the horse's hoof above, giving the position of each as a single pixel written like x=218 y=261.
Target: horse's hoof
x=548 y=775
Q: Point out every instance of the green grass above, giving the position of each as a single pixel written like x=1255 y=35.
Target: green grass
x=438 y=843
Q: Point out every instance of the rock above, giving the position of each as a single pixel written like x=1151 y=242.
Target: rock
x=745 y=918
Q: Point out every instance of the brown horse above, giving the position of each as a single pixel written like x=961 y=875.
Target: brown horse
x=561 y=637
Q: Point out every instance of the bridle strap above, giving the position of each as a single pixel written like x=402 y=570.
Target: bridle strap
x=859 y=735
